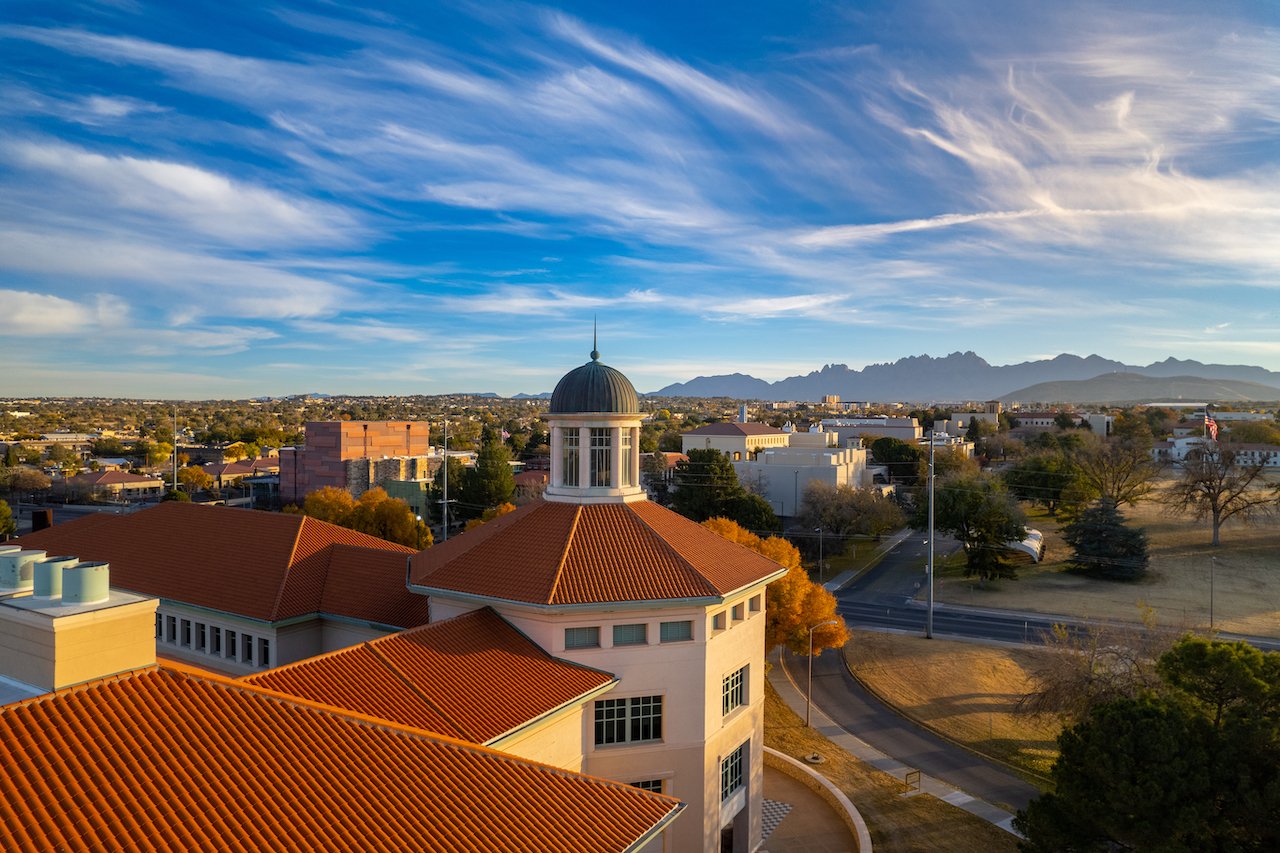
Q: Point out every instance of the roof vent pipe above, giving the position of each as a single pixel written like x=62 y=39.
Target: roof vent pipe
x=15 y=568
x=86 y=583
x=48 y=576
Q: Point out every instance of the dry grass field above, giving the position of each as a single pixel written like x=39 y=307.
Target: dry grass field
x=919 y=824
x=1246 y=582
x=964 y=691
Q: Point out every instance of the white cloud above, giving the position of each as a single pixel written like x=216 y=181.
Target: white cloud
x=28 y=313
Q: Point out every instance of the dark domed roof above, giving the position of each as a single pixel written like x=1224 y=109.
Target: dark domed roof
x=592 y=388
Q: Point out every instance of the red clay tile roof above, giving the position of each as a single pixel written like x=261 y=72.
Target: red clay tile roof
x=559 y=553
x=262 y=565
x=474 y=677
x=109 y=478
x=170 y=759
x=735 y=429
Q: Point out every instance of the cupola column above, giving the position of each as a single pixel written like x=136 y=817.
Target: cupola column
x=557 y=452
x=635 y=456
x=615 y=457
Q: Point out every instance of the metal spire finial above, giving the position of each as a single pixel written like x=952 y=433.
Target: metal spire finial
x=595 y=350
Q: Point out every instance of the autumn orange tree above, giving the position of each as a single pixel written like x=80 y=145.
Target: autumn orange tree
x=490 y=515
x=793 y=603
x=375 y=513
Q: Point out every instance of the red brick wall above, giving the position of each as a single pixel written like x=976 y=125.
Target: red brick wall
x=331 y=443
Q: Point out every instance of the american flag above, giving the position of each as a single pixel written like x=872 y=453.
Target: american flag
x=505 y=435
x=1211 y=427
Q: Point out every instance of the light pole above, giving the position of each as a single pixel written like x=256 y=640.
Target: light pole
x=928 y=622
x=808 y=699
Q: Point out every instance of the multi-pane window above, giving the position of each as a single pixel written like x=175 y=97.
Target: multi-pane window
x=264 y=652
x=246 y=648
x=624 y=476
x=733 y=691
x=654 y=785
x=601 y=456
x=215 y=641
x=186 y=632
x=172 y=629
x=231 y=644
x=582 y=638
x=159 y=626
x=628 y=720
x=675 y=632
x=569 y=441
x=754 y=604
x=200 y=636
x=731 y=772
x=630 y=635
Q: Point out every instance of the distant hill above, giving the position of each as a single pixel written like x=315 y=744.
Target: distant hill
x=959 y=376
x=1134 y=387
x=545 y=395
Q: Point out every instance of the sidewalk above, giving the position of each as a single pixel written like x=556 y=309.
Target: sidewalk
x=855 y=746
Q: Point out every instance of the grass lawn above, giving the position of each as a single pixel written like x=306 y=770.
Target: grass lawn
x=1246 y=584
x=919 y=824
x=964 y=691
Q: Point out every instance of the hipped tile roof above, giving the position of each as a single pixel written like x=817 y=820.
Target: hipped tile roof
x=474 y=677
x=110 y=478
x=169 y=759
x=262 y=565
x=735 y=428
x=552 y=553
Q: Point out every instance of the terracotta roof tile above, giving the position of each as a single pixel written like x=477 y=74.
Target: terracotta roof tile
x=474 y=676
x=559 y=553
x=173 y=760
x=109 y=478
x=735 y=428
x=262 y=565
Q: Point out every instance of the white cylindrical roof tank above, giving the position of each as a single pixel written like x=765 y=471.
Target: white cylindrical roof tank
x=16 y=568
x=48 y=576
x=86 y=583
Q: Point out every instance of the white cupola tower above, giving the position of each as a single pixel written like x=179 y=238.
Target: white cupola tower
x=595 y=437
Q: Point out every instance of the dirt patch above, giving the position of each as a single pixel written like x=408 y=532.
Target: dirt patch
x=1246 y=576
x=919 y=824
x=965 y=692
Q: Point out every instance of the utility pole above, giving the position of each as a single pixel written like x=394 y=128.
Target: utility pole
x=928 y=625
x=173 y=487
x=444 y=504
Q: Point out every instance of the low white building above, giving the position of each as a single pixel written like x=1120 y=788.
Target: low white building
x=906 y=429
x=1176 y=451
x=738 y=441
x=780 y=476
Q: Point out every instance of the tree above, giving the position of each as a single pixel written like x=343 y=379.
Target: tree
x=329 y=504
x=1253 y=432
x=28 y=480
x=8 y=527
x=754 y=513
x=670 y=441
x=1133 y=428
x=978 y=429
x=175 y=495
x=844 y=511
x=980 y=512
x=388 y=518
x=1063 y=420
x=653 y=474
x=194 y=479
x=902 y=459
x=60 y=453
x=489 y=483
x=705 y=485
x=1049 y=478
x=1103 y=547
x=108 y=446
x=1121 y=471
x=794 y=603
x=1217 y=484
x=1190 y=765
x=490 y=515
x=457 y=474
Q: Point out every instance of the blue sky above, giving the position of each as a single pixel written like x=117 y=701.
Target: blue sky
x=237 y=199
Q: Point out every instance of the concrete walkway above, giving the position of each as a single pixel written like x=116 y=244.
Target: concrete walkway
x=810 y=825
x=791 y=694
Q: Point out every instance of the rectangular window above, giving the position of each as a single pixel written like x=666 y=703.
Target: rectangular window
x=172 y=635
x=654 y=785
x=624 y=476
x=630 y=635
x=200 y=637
x=246 y=648
x=601 y=457
x=186 y=632
x=717 y=622
x=159 y=626
x=231 y=644
x=582 y=638
x=754 y=604
x=264 y=652
x=628 y=720
x=676 y=632
x=569 y=440
x=215 y=641
x=738 y=612
x=733 y=692
x=731 y=773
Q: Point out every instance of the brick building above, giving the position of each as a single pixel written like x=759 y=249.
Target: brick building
x=355 y=455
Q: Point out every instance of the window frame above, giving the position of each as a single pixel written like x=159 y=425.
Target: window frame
x=644 y=634
x=232 y=652
x=733 y=691
x=663 y=630
x=588 y=629
x=732 y=776
x=639 y=714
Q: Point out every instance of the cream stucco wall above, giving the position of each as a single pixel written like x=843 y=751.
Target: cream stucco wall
x=560 y=741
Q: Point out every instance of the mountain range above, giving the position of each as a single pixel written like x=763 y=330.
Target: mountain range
x=958 y=376
x=1134 y=388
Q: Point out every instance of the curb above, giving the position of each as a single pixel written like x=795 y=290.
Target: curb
x=820 y=785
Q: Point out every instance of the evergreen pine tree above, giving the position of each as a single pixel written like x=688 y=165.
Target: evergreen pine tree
x=1103 y=547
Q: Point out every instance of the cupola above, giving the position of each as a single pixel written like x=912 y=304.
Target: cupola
x=595 y=437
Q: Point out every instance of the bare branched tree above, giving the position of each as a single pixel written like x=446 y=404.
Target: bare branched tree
x=1105 y=661
x=1218 y=484
x=1118 y=470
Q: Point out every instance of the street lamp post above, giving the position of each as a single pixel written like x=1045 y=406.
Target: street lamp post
x=808 y=699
